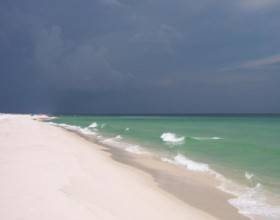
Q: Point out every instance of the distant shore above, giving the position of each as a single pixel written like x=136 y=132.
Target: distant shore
x=49 y=173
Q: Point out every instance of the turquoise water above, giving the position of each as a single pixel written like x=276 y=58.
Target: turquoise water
x=242 y=151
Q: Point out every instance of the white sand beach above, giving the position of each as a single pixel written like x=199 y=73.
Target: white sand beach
x=49 y=173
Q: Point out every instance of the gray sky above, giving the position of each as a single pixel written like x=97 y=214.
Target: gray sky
x=148 y=56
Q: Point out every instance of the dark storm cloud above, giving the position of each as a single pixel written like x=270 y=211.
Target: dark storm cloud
x=84 y=66
x=118 y=56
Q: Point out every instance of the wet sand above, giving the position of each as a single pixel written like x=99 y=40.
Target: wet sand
x=197 y=189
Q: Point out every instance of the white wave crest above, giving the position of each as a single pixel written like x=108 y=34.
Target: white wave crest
x=86 y=131
x=93 y=125
x=74 y=128
x=127 y=129
x=118 y=137
x=50 y=118
x=250 y=201
x=190 y=164
x=51 y=123
x=136 y=149
x=248 y=175
x=118 y=143
x=253 y=203
x=171 y=138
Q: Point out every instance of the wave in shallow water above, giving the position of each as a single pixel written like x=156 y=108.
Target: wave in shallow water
x=189 y=164
x=93 y=125
x=172 y=139
x=250 y=201
x=86 y=130
x=255 y=202
x=248 y=175
x=50 y=118
x=118 y=143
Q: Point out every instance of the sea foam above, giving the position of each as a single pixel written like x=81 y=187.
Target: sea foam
x=93 y=125
x=190 y=164
x=119 y=143
x=74 y=128
x=250 y=201
x=50 y=118
x=253 y=203
x=248 y=175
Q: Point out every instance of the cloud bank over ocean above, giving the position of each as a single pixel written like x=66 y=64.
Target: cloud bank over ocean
x=154 y=54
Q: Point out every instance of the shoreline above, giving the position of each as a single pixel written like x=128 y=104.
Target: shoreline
x=50 y=173
x=175 y=179
x=193 y=188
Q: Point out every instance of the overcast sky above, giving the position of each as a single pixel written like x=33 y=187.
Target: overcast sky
x=146 y=56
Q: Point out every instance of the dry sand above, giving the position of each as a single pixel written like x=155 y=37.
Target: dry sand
x=49 y=173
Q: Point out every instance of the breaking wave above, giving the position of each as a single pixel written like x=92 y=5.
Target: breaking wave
x=86 y=131
x=93 y=125
x=172 y=139
x=253 y=201
x=190 y=164
x=50 y=118
x=250 y=201
x=248 y=175
x=187 y=163
x=119 y=143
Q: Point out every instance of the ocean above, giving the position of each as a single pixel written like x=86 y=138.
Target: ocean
x=242 y=151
